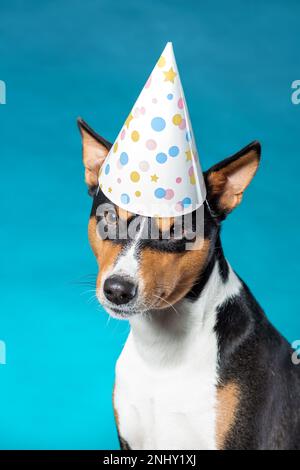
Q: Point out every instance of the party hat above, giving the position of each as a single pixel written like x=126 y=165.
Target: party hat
x=153 y=167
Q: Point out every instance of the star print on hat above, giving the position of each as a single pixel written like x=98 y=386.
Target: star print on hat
x=153 y=167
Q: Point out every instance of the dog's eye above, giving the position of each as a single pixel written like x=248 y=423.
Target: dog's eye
x=111 y=217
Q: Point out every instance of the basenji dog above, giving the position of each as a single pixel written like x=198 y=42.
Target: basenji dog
x=202 y=367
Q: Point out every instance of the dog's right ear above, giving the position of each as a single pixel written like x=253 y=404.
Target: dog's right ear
x=94 y=149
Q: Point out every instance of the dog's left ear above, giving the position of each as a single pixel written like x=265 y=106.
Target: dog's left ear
x=95 y=149
x=227 y=180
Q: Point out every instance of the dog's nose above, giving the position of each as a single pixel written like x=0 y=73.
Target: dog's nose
x=119 y=290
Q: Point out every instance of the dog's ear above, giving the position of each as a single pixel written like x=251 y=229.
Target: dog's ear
x=95 y=149
x=227 y=180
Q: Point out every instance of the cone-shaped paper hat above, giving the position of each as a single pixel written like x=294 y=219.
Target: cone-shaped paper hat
x=153 y=167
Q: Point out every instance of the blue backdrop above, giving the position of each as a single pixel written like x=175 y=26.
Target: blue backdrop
x=69 y=58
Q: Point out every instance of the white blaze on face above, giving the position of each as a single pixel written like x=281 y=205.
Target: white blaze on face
x=127 y=264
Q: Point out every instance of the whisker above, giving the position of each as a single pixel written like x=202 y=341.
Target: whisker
x=86 y=278
x=172 y=306
x=88 y=291
x=84 y=283
x=93 y=298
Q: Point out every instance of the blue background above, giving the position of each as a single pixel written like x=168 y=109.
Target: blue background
x=69 y=58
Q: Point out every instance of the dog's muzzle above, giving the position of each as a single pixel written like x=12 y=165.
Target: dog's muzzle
x=119 y=290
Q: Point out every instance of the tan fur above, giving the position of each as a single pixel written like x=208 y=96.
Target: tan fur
x=123 y=214
x=167 y=277
x=94 y=154
x=106 y=251
x=227 y=405
x=164 y=223
x=231 y=181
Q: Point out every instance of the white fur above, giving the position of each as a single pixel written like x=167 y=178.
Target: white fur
x=166 y=376
x=126 y=265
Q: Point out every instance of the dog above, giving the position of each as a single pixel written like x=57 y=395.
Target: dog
x=202 y=367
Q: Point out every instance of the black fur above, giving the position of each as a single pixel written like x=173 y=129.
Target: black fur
x=258 y=359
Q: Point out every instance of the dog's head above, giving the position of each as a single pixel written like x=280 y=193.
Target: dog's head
x=144 y=263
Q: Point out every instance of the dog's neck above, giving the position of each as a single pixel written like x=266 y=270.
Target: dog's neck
x=168 y=335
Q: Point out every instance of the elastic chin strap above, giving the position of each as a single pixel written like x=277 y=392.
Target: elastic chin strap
x=213 y=214
x=209 y=209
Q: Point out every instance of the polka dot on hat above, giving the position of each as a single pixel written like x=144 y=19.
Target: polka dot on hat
x=176 y=119
x=135 y=176
x=144 y=165
x=124 y=158
x=173 y=151
x=158 y=124
x=125 y=199
x=159 y=193
x=135 y=136
x=161 y=157
x=151 y=144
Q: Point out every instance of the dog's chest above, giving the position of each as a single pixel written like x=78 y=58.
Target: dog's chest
x=168 y=407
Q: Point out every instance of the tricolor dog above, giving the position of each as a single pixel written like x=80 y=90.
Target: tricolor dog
x=202 y=367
